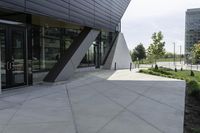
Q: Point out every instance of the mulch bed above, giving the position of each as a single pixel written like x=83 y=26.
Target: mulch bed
x=192 y=114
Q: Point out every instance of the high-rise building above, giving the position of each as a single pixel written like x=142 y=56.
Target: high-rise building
x=192 y=29
x=48 y=40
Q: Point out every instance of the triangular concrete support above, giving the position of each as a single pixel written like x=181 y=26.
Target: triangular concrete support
x=119 y=56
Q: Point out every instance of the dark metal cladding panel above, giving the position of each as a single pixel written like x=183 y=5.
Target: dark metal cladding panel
x=48 y=8
x=17 y=5
x=100 y=14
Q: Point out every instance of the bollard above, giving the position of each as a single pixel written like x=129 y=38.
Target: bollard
x=115 y=66
x=130 y=66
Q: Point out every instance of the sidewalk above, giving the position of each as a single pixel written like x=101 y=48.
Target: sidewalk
x=96 y=102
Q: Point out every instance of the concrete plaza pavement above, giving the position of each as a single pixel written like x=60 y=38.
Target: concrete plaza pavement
x=101 y=101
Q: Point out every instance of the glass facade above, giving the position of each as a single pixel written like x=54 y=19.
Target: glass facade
x=48 y=44
x=39 y=44
x=3 y=54
x=98 y=51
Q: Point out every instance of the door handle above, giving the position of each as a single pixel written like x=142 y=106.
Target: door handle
x=8 y=66
x=11 y=66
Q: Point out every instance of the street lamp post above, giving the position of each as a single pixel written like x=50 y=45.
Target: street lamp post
x=175 y=54
x=180 y=54
x=181 y=57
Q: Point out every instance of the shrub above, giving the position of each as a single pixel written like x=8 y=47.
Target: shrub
x=187 y=80
x=193 y=88
x=141 y=70
x=156 y=67
x=165 y=69
x=196 y=130
x=192 y=73
x=161 y=71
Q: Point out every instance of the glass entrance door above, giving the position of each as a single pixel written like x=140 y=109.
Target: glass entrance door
x=13 y=57
x=3 y=53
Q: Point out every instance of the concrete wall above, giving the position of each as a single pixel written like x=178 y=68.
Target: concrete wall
x=119 y=54
x=72 y=65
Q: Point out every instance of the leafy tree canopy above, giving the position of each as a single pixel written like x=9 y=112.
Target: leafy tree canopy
x=156 y=49
x=196 y=52
x=139 y=52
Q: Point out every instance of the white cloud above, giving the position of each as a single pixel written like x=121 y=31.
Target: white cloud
x=143 y=17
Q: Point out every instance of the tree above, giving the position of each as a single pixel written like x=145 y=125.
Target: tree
x=156 y=48
x=195 y=50
x=139 y=53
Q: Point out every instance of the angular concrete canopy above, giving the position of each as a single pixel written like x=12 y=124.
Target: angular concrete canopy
x=119 y=54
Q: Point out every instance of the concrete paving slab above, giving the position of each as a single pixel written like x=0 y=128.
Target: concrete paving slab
x=50 y=108
x=136 y=86
x=101 y=101
x=121 y=96
x=5 y=105
x=81 y=93
x=40 y=128
x=6 y=114
x=1 y=128
x=17 y=99
x=161 y=116
x=128 y=123
x=93 y=113
x=44 y=90
x=102 y=86
x=168 y=97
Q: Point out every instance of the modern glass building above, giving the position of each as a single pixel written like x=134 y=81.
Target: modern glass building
x=48 y=40
x=192 y=29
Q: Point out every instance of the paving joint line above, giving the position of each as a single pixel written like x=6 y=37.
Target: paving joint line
x=142 y=94
x=72 y=111
x=32 y=123
x=85 y=84
x=125 y=108
x=13 y=115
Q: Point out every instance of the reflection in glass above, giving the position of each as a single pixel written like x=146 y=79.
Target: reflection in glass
x=98 y=51
x=49 y=44
x=2 y=49
x=17 y=58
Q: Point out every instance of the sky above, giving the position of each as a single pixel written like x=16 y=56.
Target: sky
x=142 y=18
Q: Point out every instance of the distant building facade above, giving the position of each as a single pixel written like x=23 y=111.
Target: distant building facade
x=192 y=29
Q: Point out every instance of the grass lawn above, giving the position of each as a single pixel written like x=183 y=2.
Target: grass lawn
x=165 y=72
x=186 y=74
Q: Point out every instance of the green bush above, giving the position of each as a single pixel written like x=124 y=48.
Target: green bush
x=141 y=70
x=165 y=69
x=193 y=88
x=196 y=130
x=161 y=71
x=182 y=78
x=156 y=67
x=192 y=74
